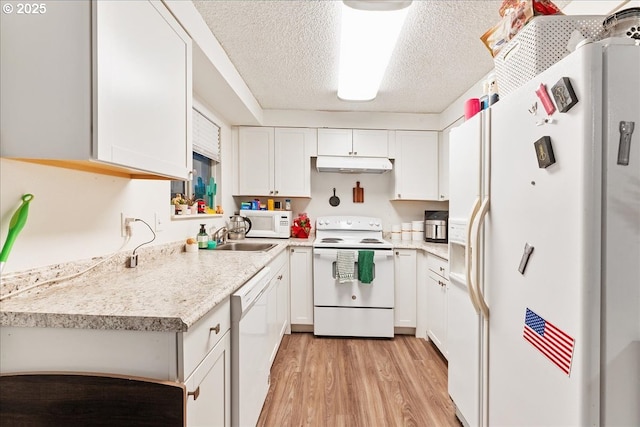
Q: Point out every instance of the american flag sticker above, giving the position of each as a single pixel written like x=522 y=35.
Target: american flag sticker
x=549 y=340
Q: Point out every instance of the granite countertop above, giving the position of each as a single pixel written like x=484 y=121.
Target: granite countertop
x=151 y=297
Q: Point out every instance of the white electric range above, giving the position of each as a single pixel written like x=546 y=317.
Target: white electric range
x=352 y=308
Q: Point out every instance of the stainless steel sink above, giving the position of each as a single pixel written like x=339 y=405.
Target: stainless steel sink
x=246 y=247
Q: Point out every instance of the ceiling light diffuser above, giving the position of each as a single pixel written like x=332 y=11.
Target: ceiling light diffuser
x=370 y=30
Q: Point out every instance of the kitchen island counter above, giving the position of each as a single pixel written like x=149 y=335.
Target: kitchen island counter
x=166 y=293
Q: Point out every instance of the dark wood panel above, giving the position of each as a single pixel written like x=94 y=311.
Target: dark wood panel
x=58 y=399
x=357 y=382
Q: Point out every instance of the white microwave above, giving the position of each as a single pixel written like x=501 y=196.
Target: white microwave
x=275 y=224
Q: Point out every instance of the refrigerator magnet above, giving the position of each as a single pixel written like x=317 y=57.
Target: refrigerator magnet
x=544 y=152
x=564 y=95
x=545 y=99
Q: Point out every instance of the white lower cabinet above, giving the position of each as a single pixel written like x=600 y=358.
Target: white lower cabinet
x=421 y=296
x=437 y=304
x=278 y=306
x=405 y=263
x=301 y=279
x=209 y=388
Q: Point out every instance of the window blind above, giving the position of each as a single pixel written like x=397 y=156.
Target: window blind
x=206 y=136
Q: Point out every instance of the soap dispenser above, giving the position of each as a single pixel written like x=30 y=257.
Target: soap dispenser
x=203 y=237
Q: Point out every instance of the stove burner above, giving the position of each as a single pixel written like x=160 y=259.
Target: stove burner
x=331 y=240
x=370 y=241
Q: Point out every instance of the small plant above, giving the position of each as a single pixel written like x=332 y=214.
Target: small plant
x=179 y=200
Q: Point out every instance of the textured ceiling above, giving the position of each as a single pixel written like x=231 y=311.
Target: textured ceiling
x=287 y=52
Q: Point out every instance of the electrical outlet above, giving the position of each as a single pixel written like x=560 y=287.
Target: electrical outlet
x=159 y=223
x=124 y=218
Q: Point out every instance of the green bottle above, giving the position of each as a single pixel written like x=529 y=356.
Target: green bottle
x=203 y=238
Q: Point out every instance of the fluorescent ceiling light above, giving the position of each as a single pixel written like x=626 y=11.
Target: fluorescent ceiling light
x=370 y=30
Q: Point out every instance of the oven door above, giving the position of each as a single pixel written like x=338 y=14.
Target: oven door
x=329 y=292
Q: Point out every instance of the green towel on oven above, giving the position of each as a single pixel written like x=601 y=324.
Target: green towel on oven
x=365 y=266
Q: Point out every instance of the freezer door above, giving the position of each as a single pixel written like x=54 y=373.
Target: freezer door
x=464 y=167
x=555 y=210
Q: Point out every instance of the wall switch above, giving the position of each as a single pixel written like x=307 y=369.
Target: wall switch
x=159 y=223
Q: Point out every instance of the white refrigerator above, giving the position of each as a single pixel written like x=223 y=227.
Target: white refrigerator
x=544 y=221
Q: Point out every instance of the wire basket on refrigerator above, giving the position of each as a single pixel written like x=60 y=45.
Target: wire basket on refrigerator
x=539 y=45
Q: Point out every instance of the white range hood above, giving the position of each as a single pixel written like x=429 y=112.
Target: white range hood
x=350 y=164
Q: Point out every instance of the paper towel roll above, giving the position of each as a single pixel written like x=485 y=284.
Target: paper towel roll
x=406 y=235
x=417 y=235
x=395 y=228
x=406 y=226
x=417 y=225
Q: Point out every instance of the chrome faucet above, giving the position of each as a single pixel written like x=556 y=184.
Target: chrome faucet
x=220 y=235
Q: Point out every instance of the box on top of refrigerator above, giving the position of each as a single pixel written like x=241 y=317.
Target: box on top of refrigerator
x=539 y=45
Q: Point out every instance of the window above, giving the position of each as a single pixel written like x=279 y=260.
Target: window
x=206 y=162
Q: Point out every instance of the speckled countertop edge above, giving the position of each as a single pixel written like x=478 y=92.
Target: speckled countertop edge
x=151 y=297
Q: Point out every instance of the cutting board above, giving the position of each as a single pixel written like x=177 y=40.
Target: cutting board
x=358 y=193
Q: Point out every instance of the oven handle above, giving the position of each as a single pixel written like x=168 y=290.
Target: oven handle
x=334 y=269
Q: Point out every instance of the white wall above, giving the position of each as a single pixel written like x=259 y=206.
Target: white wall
x=76 y=215
x=377 y=190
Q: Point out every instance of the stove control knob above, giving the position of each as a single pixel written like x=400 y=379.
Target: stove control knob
x=371 y=223
x=349 y=222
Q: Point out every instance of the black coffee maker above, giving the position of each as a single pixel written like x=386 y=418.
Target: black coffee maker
x=435 y=226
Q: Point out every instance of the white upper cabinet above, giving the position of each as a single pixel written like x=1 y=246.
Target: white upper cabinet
x=356 y=142
x=443 y=166
x=102 y=86
x=275 y=162
x=255 y=161
x=416 y=166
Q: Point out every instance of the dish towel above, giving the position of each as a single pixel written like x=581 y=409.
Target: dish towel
x=365 y=266
x=346 y=266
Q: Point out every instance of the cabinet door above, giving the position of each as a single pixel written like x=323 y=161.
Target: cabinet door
x=405 y=288
x=142 y=88
x=437 y=310
x=443 y=166
x=421 y=296
x=282 y=311
x=293 y=162
x=210 y=403
x=255 y=161
x=335 y=142
x=416 y=165
x=301 y=285
x=370 y=143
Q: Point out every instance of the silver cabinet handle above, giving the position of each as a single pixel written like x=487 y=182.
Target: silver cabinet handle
x=277 y=191
x=215 y=329
x=195 y=393
x=355 y=153
x=271 y=192
x=280 y=277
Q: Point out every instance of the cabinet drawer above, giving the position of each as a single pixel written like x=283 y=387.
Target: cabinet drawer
x=438 y=265
x=204 y=335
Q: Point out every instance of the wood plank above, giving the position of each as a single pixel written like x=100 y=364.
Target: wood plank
x=321 y=381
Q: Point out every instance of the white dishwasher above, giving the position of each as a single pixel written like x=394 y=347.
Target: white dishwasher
x=250 y=352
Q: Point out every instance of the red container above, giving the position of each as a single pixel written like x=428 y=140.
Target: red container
x=471 y=108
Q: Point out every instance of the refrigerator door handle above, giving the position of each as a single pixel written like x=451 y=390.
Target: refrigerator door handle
x=484 y=208
x=468 y=253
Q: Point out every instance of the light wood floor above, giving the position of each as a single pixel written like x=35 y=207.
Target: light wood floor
x=357 y=382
